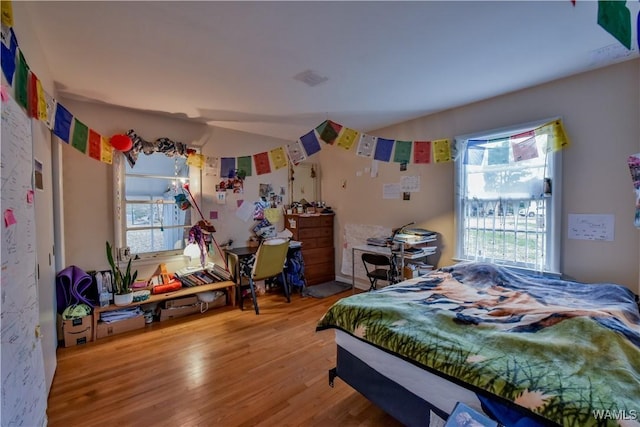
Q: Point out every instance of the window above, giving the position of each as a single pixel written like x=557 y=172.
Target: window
x=148 y=220
x=507 y=196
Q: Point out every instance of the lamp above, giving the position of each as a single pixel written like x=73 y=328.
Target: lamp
x=192 y=251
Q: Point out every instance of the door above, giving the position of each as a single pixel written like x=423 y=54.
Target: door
x=45 y=274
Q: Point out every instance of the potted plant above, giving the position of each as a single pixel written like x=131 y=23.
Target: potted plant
x=121 y=284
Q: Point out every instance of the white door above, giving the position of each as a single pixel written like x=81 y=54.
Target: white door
x=43 y=202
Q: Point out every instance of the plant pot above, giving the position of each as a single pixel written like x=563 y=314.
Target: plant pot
x=123 y=299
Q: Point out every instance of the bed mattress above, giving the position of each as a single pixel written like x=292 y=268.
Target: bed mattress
x=432 y=388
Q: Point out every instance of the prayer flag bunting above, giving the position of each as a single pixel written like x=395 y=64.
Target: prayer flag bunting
x=227 y=167
x=32 y=95
x=383 y=149
x=80 y=134
x=296 y=153
x=474 y=154
x=62 y=123
x=441 y=150
x=278 y=158
x=524 y=135
x=20 y=86
x=244 y=165
x=106 y=154
x=95 y=151
x=525 y=150
x=310 y=143
x=7 y=13
x=8 y=49
x=402 y=153
x=347 y=138
x=615 y=18
x=499 y=153
x=556 y=137
x=262 y=163
x=42 y=102
x=421 y=152
x=366 y=146
x=328 y=131
x=49 y=111
x=196 y=160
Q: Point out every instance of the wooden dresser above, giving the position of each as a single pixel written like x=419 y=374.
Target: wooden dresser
x=316 y=234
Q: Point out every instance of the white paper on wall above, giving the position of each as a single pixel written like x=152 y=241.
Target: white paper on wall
x=591 y=227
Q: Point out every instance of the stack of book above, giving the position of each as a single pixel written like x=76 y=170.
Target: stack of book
x=197 y=278
x=220 y=272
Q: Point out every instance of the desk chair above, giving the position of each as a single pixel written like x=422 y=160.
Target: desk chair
x=269 y=263
x=378 y=267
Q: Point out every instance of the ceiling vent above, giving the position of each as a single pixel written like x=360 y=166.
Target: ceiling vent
x=310 y=78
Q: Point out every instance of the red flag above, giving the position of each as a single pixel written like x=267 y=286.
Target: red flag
x=95 y=144
x=262 y=163
x=422 y=152
x=32 y=95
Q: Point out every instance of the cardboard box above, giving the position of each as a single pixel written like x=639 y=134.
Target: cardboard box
x=121 y=326
x=219 y=301
x=175 y=312
x=181 y=302
x=410 y=273
x=77 y=331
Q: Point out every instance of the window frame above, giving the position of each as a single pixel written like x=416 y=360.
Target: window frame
x=553 y=211
x=120 y=212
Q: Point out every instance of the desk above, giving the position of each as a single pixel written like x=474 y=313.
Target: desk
x=228 y=285
x=239 y=256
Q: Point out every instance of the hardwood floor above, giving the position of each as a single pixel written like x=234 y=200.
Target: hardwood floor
x=226 y=367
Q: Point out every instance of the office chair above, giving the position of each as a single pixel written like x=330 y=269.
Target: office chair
x=269 y=263
x=378 y=267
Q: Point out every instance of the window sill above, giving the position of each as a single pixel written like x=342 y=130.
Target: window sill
x=154 y=259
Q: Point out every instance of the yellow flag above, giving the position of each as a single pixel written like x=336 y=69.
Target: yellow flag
x=7 y=13
x=106 y=151
x=441 y=150
x=347 y=138
x=556 y=137
x=42 y=102
x=195 y=160
x=278 y=158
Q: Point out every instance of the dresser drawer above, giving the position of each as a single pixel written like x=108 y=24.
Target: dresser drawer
x=315 y=221
x=319 y=273
x=317 y=256
x=305 y=233
x=325 y=242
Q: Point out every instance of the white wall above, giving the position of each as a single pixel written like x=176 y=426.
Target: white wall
x=601 y=113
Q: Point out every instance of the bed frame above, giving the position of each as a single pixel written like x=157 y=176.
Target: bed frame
x=391 y=397
x=415 y=408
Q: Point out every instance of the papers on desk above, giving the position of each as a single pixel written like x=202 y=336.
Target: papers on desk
x=377 y=241
x=413 y=239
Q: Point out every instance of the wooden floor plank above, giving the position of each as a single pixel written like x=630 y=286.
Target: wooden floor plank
x=226 y=367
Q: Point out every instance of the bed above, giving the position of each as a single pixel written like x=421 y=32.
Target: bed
x=523 y=349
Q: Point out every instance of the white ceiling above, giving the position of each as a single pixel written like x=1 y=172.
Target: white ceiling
x=232 y=64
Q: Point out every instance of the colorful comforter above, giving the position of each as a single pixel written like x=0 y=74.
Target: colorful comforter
x=567 y=351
